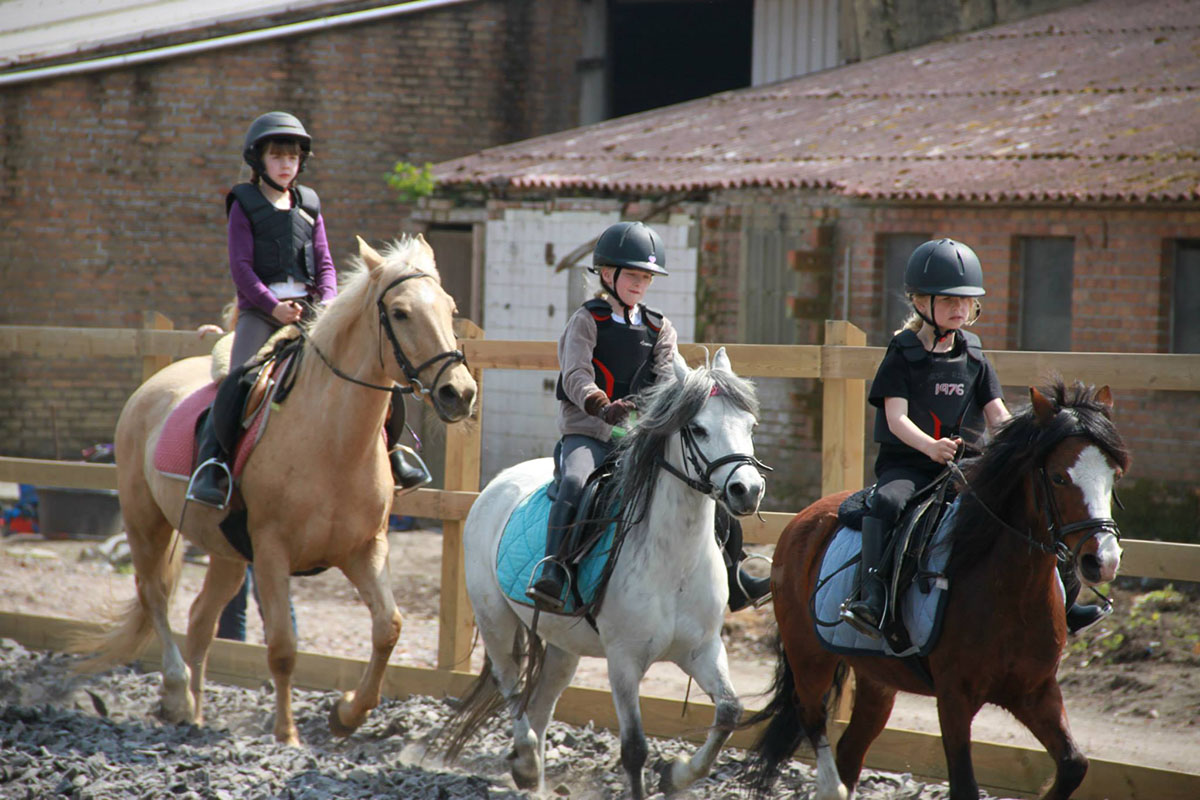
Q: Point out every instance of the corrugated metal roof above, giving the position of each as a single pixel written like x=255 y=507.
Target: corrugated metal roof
x=32 y=30
x=1096 y=102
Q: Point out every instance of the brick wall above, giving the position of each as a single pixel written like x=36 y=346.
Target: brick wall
x=1119 y=303
x=112 y=185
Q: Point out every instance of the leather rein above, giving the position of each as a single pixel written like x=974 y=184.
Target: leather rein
x=705 y=468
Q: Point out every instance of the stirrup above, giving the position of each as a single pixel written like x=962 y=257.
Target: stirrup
x=409 y=453
x=557 y=601
x=737 y=576
x=212 y=462
x=860 y=625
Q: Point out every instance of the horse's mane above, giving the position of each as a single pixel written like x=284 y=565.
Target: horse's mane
x=1019 y=447
x=359 y=287
x=665 y=409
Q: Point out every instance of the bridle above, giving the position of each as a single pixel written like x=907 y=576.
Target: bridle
x=1045 y=503
x=705 y=468
x=411 y=373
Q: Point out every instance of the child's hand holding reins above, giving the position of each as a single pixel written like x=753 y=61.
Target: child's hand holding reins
x=287 y=311
x=944 y=450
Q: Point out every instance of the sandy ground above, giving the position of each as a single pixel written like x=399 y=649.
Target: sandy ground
x=1141 y=706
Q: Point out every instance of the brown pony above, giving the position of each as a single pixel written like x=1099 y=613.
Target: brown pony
x=317 y=487
x=1040 y=492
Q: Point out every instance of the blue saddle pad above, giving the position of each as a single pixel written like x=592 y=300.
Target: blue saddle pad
x=523 y=545
x=921 y=612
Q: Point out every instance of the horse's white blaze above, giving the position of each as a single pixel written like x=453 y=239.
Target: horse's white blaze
x=1093 y=475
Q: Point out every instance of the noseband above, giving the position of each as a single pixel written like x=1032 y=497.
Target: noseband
x=705 y=468
x=411 y=373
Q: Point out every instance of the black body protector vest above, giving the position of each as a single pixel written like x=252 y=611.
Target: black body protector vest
x=283 y=240
x=623 y=356
x=942 y=403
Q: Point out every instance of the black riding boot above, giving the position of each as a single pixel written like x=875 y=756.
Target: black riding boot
x=866 y=613
x=408 y=470
x=546 y=592
x=210 y=481
x=744 y=588
x=1080 y=617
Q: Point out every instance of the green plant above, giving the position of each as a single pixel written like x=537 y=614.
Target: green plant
x=411 y=182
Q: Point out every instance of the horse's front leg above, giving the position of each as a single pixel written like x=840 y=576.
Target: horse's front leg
x=1043 y=713
x=368 y=571
x=272 y=579
x=222 y=580
x=710 y=667
x=625 y=677
x=955 y=714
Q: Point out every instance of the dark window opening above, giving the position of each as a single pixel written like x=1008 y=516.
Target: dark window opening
x=669 y=51
x=896 y=248
x=1047 y=276
x=1185 y=297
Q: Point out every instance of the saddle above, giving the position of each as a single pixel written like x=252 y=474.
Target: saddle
x=912 y=573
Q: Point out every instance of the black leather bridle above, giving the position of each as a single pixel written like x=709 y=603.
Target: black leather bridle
x=411 y=372
x=705 y=468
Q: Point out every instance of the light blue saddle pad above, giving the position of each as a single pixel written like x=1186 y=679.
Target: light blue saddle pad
x=921 y=612
x=523 y=545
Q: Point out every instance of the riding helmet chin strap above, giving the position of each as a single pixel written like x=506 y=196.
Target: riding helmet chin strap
x=272 y=184
x=613 y=291
x=931 y=320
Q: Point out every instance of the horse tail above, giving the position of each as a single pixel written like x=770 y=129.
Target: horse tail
x=485 y=699
x=124 y=632
x=784 y=732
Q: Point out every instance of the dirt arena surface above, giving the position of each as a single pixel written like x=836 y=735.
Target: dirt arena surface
x=1132 y=683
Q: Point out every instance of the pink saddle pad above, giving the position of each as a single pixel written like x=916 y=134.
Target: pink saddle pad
x=175 y=453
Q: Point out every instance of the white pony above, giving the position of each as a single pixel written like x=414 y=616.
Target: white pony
x=665 y=600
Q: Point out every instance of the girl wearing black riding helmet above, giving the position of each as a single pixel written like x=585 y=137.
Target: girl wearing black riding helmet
x=282 y=269
x=933 y=389
x=613 y=347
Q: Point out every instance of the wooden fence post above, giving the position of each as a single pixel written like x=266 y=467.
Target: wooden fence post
x=842 y=429
x=843 y=407
x=152 y=320
x=456 y=621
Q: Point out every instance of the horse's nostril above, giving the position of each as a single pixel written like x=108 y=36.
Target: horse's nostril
x=447 y=395
x=737 y=489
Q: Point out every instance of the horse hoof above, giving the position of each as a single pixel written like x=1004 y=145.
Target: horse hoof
x=336 y=726
x=666 y=777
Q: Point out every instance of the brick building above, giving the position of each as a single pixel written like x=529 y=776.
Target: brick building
x=1061 y=148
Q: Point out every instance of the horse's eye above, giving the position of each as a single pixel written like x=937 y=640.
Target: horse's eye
x=399 y=315
x=698 y=431
x=1059 y=480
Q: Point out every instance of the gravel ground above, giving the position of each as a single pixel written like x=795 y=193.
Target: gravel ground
x=97 y=737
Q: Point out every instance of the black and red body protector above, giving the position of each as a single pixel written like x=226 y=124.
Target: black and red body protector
x=623 y=356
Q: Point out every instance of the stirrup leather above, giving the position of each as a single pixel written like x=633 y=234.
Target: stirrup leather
x=212 y=462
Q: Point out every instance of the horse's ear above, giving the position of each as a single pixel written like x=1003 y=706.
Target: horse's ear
x=1043 y=409
x=1104 y=397
x=426 y=246
x=367 y=253
x=721 y=361
x=681 y=367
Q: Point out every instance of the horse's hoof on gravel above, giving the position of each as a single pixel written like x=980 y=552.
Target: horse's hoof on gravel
x=335 y=722
x=666 y=780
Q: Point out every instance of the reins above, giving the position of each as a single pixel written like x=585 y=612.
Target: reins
x=705 y=468
x=411 y=373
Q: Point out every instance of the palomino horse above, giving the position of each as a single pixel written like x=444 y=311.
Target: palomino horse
x=1040 y=492
x=665 y=600
x=317 y=486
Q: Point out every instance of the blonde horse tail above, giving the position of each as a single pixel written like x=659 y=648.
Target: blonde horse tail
x=126 y=631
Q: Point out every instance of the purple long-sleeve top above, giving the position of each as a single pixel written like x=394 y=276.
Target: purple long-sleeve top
x=251 y=291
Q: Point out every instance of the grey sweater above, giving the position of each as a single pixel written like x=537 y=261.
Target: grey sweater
x=575 y=348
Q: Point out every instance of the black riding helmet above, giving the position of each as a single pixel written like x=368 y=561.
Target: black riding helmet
x=628 y=245
x=274 y=125
x=943 y=267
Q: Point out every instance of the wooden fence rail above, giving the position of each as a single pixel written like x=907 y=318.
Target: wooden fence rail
x=843 y=364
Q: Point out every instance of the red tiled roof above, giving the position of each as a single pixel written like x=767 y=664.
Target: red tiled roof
x=1096 y=102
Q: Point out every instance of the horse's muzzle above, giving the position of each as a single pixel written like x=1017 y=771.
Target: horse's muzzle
x=1099 y=558
x=454 y=400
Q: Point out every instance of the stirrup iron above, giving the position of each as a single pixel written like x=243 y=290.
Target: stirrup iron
x=737 y=576
x=212 y=462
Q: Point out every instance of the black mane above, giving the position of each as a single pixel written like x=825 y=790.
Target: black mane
x=1019 y=447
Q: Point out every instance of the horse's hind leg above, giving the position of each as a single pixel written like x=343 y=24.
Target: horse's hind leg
x=1042 y=712
x=558 y=668
x=221 y=582
x=710 y=667
x=872 y=707
x=368 y=571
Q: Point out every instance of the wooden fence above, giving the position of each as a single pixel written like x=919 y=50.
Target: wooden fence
x=843 y=364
